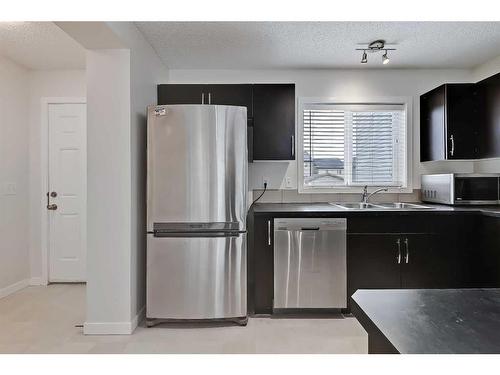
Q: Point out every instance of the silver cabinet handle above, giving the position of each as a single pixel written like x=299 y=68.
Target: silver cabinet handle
x=398 y=242
x=209 y=98
x=269 y=232
x=407 y=256
x=202 y=98
x=452 y=151
x=293 y=146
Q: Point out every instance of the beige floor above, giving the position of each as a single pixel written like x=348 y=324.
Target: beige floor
x=43 y=319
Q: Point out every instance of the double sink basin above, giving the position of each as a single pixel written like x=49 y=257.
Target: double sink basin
x=381 y=206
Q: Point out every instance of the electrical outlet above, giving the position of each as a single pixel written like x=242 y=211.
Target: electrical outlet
x=265 y=181
x=288 y=182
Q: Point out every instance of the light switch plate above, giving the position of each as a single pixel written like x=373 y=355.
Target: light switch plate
x=9 y=188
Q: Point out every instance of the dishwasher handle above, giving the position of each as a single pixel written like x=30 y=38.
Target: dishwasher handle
x=309 y=228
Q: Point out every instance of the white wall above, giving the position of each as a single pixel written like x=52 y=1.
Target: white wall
x=339 y=84
x=14 y=169
x=44 y=83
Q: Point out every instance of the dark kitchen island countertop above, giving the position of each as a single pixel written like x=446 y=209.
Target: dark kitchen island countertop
x=426 y=321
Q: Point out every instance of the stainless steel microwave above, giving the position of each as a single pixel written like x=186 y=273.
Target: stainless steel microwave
x=461 y=188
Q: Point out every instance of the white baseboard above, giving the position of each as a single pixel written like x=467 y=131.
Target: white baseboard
x=4 y=292
x=107 y=328
x=36 y=281
x=140 y=316
x=114 y=328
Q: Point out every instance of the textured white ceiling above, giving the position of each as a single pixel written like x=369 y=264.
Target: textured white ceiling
x=263 y=45
x=40 y=45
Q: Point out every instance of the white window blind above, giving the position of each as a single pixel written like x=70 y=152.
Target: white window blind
x=354 y=145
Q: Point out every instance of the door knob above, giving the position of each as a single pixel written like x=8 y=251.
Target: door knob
x=52 y=206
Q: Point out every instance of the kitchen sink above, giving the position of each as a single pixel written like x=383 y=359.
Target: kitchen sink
x=404 y=206
x=381 y=206
x=355 y=206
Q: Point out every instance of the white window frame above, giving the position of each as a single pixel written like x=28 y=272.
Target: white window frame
x=303 y=102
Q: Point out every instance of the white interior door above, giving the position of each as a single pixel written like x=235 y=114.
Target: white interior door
x=67 y=198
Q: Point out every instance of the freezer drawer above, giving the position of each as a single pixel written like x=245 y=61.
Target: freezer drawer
x=196 y=277
x=310 y=263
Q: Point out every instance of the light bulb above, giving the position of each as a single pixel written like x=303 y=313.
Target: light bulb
x=385 y=59
x=364 y=59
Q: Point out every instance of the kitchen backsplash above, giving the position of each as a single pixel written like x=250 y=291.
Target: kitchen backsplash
x=292 y=196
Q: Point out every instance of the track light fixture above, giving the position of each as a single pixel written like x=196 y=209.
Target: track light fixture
x=376 y=46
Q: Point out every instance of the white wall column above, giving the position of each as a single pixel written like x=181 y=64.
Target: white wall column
x=123 y=71
x=108 y=192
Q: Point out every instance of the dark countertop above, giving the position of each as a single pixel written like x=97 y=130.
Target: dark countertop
x=323 y=208
x=434 y=320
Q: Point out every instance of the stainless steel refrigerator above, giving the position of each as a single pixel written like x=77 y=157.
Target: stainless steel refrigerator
x=196 y=213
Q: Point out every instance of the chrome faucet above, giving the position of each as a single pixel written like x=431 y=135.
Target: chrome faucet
x=366 y=196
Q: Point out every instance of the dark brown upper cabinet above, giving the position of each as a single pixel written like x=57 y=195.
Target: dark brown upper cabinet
x=489 y=103
x=450 y=123
x=270 y=112
x=240 y=95
x=274 y=122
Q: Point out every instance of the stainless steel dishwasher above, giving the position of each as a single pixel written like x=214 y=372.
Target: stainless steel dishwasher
x=310 y=263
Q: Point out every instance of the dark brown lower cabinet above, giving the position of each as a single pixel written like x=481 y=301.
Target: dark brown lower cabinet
x=391 y=252
x=263 y=263
x=425 y=263
x=404 y=260
x=486 y=259
x=372 y=262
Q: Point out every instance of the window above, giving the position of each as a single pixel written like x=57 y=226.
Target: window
x=349 y=145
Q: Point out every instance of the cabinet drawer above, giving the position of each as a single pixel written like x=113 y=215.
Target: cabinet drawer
x=389 y=224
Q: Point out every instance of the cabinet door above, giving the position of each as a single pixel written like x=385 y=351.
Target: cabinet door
x=448 y=118
x=274 y=122
x=372 y=262
x=429 y=261
x=420 y=262
x=239 y=95
x=461 y=119
x=182 y=94
x=488 y=109
x=486 y=264
x=263 y=258
x=454 y=249
x=432 y=123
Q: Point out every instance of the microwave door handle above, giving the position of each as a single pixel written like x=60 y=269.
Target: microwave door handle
x=452 y=140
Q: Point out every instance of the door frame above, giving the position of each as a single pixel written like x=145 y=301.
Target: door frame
x=44 y=175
